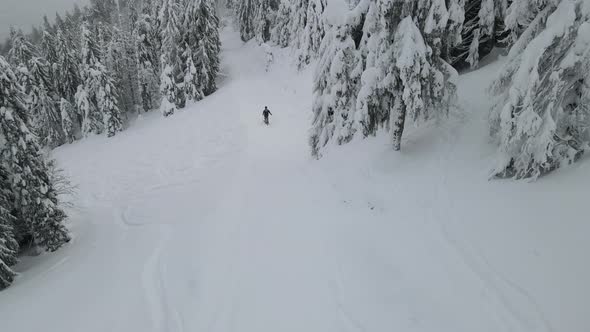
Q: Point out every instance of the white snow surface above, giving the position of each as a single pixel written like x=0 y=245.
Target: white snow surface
x=210 y=221
x=336 y=11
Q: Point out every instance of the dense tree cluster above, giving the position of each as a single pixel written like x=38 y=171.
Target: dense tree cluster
x=382 y=67
x=88 y=72
x=29 y=207
x=85 y=74
x=386 y=62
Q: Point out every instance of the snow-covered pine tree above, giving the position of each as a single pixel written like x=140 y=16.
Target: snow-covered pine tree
x=121 y=65
x=47 y=26
x=313 y=32
x=171 y=62
x=481 y=31
x=210 y=45
x=334 y=91
x=195 y=76
x=264 y=16
x=73 y=25
x=521 y=14
x=67 y=72
x=453 y=37
x=8 y=244
x=281 y=33
x=19 y=55
x=168 y=89
x=48 y=50
x=192 y=77
x=97 y=95
x=104 y=11
x=59 y=22
x=245 y=15
x=36 y=207
x=107 y=102
x=542 y=117
x=411 y=72
x=146 y=41
x=92 y=119
x=45 y=117
x=300 y=24
x=66 y=111
x=21 y=51
x=397 y=75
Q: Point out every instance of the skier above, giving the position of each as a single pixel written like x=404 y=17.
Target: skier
x=266 y=113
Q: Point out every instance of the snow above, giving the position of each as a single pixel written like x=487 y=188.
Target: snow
x=210 y=221
x=336 y=12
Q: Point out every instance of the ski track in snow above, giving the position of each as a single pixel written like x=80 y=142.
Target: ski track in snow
x=211 y=221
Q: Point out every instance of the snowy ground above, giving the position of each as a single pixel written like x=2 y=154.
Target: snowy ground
x=209 y=221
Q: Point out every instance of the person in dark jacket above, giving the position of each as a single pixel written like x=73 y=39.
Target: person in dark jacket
x=265 y=114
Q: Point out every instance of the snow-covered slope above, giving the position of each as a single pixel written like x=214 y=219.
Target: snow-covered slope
x=211 y=221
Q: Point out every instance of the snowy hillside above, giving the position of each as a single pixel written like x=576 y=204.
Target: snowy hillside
x=211 y=221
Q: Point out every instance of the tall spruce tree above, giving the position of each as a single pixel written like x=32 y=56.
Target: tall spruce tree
x=97 y=96
x=8 y=244
x=67 y=73
x=36 y=205
x=45 y=116
x=146 y=40
x=210 y=44
x=85 y=95
x=541 y=121
x=245 y=12
x=21 y=51
x=335 y=89
x=171 y=61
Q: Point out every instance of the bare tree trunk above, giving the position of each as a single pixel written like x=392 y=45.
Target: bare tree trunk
x=398 y=127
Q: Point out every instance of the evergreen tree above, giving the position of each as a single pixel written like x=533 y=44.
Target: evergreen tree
x=19 y=55
x=47 y=26
x=245 y=12
x=146 y=40
x=22 y=51
x=8 y=244
x=104 y=11
x=35 y=200
x=67 y=73
x=201 y=28
x=313 y=31
x=193 y=87
x=481 y=30
x=171 y=62
x=281 y=33
x=541 y=119
x=335 y=89
x=96 y=96
x=195 y=75
x=301 y=25
x=92 y=121
x=121 y=64
x=106 y=97
x=264 y=16
x=66 y=110
x=392 y=70
x=48 y=50
x=45 y=116
x=210 y=44
x=256 y=18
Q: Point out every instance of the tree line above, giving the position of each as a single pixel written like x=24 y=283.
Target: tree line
x=84 y=74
